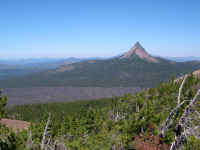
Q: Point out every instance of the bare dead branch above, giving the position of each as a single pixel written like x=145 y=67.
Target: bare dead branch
x=177 y=144
x=54 y=145
x=180 y=89
x=45 y=133
x=29 y=144
x=188 y=108
x=171 y=114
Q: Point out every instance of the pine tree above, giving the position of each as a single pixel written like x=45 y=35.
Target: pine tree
x=3 y=100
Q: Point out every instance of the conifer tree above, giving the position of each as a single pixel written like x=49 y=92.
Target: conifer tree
x=3 y=100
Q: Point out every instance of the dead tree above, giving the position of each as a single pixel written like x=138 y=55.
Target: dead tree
x=180 y=90
x=185 y=126
x=46 y=144
x=29 y=143
x=172 y=114
x=43 y=142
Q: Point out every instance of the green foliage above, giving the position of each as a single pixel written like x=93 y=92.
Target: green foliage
x=37 y=112
x=106 y=123
x=192 y=144
x=12 y=141
x=3 y=100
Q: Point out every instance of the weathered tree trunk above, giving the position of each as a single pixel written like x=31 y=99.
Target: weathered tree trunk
x=45 y=133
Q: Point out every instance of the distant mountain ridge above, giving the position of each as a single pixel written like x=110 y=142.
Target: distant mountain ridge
x=30 y=61
x=136 y=68
x=17 y=68
x=183 y=59
x=10 y=68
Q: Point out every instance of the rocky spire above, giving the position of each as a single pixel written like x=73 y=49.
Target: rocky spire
x=139 y=51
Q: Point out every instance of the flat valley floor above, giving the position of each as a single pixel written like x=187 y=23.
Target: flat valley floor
x=18 y=96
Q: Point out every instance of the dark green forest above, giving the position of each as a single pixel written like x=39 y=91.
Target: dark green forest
x=153 y=119
x=116 y=72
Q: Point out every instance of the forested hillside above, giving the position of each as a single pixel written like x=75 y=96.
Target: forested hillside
x=136 y=68
x=154 y=119
x=105 y=73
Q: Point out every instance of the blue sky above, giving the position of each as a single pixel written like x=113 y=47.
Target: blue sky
x=88 y=28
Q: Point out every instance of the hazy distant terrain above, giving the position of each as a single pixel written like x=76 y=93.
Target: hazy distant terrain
x=183 y=59
x=135 y=68
x=22 y=67
x=78 y=79
x=17 y=68
x=17 y=96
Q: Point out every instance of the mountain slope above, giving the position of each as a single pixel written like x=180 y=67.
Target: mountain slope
x=135 y=68
x=148 y=119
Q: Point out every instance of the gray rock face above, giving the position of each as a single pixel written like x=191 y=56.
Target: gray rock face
x=139 y=51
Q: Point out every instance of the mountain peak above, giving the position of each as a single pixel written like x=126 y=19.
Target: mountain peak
x=139 y=51
x=138 y=45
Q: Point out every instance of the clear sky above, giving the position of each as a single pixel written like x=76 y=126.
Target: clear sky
x=87 y=28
